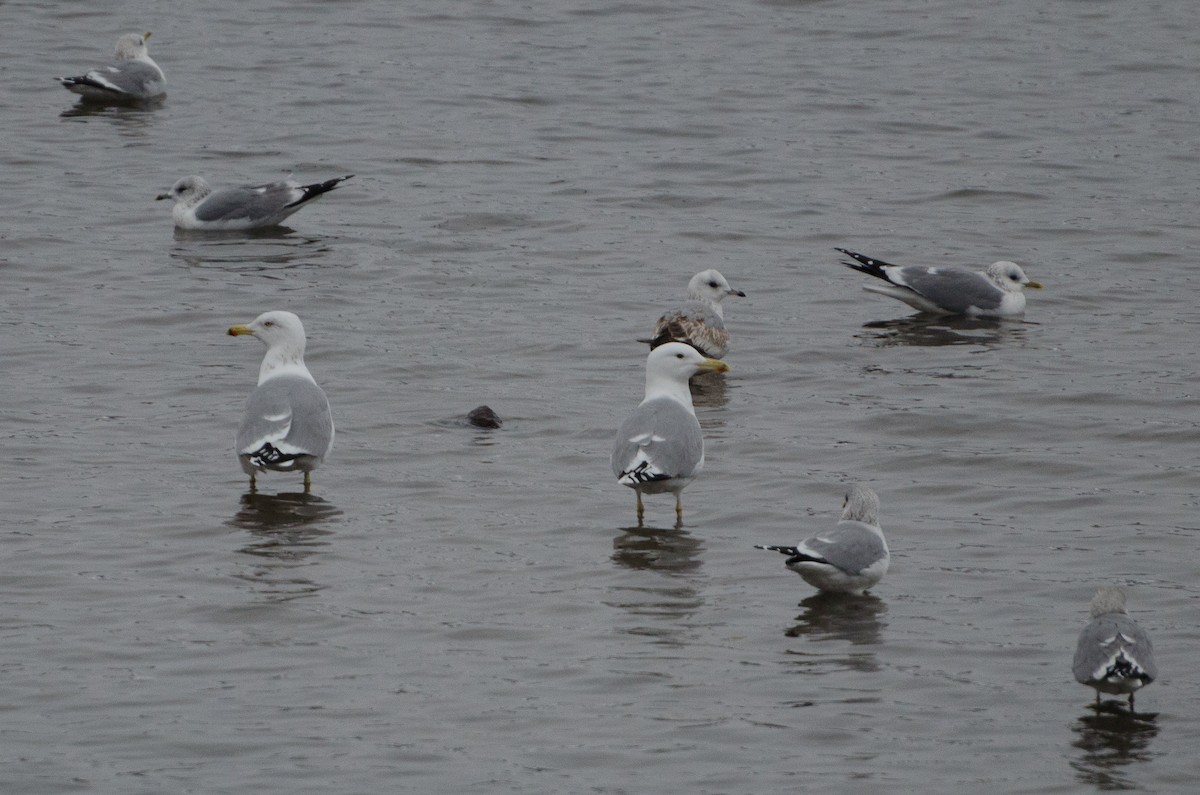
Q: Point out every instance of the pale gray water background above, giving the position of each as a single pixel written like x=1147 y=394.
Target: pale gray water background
x=468 y=611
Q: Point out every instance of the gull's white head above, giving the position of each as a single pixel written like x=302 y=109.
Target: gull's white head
x=281 y=331
x=678 y=361
x=1009 y=276
x=710 y=286
x=861 y=505
x=1109 y=599
x=132 y=46
x=189 y=190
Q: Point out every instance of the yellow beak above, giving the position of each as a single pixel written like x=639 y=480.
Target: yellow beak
x=713 y=366
x=240 y=330
x=146 y=36
x=1035 y=285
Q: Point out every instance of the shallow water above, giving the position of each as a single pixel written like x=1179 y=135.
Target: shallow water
x=463 y=610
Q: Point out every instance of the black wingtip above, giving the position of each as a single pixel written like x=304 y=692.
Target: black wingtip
x=781 y=550
x=864 y=264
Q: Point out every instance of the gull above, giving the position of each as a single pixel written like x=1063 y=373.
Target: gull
x=287 y=426
x=660 y=447
x=197 y=206
x=699 y=322
x=992 y=292
x=133 y=76
x=851 y=557
x=1113 y=655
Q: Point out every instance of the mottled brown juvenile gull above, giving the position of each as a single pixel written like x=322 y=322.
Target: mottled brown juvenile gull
x=133 y=75
x=993 y=292
x=197 y=206
x=699 y=322
x=287 y=426
x=660 y=447
x=852 y=556
x=1113 y=655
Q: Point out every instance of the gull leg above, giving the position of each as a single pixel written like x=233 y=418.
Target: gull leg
x=253 y=483
x=1131 y=702
x=679 y=506
x=641 y=509
x=307 y=482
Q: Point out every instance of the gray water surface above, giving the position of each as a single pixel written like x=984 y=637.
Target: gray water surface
x=463 y=610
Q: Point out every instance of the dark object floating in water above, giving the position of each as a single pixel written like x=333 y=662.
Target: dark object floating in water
x=484 y=417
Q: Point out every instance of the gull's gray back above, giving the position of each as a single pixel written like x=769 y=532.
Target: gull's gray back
x=1094 y=647
x=254 y=203
x=682 y=447
x=851 y=546
x=953 y=289
x=292 y=399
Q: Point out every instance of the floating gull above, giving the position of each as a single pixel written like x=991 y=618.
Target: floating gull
x=699 y=322
x=659 y=447
x=287 y=427
x=197 y=206
x=133 y=77
x=994 y=292
x=851 y=557
x=1114 y=655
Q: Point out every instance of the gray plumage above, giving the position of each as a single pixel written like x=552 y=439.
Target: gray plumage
x=288 y=426
x=197 y=206
x=851 y=557
x=700 y=322
x=1114 y=655
x=659 y=447
x=993 y=292
x=132 y=77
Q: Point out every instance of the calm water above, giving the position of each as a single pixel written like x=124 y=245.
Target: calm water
x=458 y=610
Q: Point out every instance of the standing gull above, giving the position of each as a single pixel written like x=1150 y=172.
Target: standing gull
x=287 y=427
x=1113 y=655
x=659 y=447
x=197 y=206
x=852 y=557
x=993 y=292
x=132 y=77
x=699 y=322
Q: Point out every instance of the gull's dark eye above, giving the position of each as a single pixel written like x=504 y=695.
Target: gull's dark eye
x=269 y=324
x=714 y=285
x=679 y=356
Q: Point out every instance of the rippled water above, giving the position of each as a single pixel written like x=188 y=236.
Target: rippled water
x=463 y=610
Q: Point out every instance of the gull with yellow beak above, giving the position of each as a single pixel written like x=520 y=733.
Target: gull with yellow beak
x=992 y=292
x=287 y=426
x=132 y=77
x=660 y=447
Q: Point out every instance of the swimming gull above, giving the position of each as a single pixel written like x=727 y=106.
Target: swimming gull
x=993 y=292
x=699 y=322
x=197 y=206
x=852 y=557
x=287 y=426
x=132 y=77
x=1113 y=655
x=660 y=447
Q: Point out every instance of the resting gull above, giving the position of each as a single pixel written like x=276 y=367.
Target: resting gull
x=699 y=322
x=1113 y=655
x=132 y=77
x=287 y=426
x=993 y=292
x=852 y=557
x=197 y=206
x=659 y=447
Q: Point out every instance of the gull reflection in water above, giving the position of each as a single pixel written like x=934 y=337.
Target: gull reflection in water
x=932 y=331
x=286 y=537
x=1111 y=738
x=708 y=391
x=667 y=603
x=850 y=618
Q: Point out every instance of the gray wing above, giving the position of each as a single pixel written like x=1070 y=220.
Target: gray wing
x=696 y=324
x=129 y=78
x=951 y=289
x=1106 y=637
x=256 y=203
x=851 y=546
x=660 y=440
x=289 y=413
